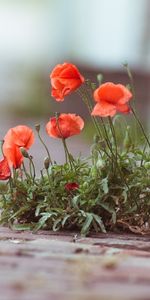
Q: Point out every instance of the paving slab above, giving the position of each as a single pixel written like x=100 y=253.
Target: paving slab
x=67 y=266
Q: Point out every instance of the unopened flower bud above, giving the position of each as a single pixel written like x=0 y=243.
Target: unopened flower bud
x=127 y=140
x=46 y=162
x=37 y=127
x=100 y=78
x=24 y=152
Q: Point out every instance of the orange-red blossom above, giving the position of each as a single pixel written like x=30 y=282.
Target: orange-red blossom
x=5 y=172
x=19 y=136
x=65 y=78
x=64 y=126
x=111 y=98
x=71 y=186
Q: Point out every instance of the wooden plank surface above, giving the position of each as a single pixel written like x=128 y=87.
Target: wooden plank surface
x=65 y=266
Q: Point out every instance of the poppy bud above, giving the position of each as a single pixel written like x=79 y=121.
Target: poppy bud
x=46 y=163
x=100 y=78
x=24 y=152
x=37 y=127
x=127 y=140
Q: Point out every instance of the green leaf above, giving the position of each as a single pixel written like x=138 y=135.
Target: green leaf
x=86 y=226
x=75 y=201
x=104 y=184
x=21 y=227
x=66 y=217
x=57 y=224
x=125 y=195
x=19 y=212
x=99 y=221
x=38 y=208
x=43 y=219
x=111 y=210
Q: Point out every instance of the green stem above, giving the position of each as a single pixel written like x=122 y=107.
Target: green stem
x=45 y=147
x=140 y=125
x=144 y=149
x=70 y=158
x=131 y=80
x=33 y=167
x=25 y=171
x=133 y=94
x=66 y=154
x=114 y=135
x=14 y=175
x=83 y=94
x=11 y=186
x=51 y=186
x=95 y=123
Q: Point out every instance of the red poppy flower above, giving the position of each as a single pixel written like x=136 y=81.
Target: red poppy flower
x=64 y=126
x=65 y=79
x=111 y=98
x=71 y=186
x=4 y=169
x=19 y=136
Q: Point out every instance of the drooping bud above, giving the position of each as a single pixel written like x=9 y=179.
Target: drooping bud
x=37 y=127
x=46 y=163
x=24 y=152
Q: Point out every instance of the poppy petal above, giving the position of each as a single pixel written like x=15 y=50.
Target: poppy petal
x=65 y=79
x=65 y=126
x=112 y=93
x=4 y=169
x=13 y=155
x=123 y=108
x=104 y=110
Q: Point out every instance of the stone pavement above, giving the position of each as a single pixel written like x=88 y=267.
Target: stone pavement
x=65 y=266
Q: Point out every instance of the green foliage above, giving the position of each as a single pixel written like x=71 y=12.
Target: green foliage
x=110 y=190
x=109 y=197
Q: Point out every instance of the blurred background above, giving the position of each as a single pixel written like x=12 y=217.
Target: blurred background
x=97 y=35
